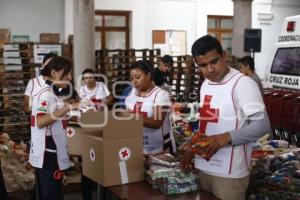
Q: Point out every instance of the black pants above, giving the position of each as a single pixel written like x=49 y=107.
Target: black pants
x=87 y=186
x=3 y=193
x=48 y=188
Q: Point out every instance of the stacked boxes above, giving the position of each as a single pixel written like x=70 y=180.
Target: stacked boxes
x=115 y=64
x=16 y=69
x=49 y=37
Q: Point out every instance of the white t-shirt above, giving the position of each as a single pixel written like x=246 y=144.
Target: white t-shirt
x=34 y=85
x=97 y=95
x=152 y=138
x=247 y=100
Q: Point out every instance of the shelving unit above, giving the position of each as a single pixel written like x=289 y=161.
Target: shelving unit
x=16 y=69
x=116 y=63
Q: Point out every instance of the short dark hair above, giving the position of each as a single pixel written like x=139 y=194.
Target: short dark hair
x=167 y=59
x=143 y=65
x=247 y=60
x=205 y=44
x=57 y=63
x=88 y=71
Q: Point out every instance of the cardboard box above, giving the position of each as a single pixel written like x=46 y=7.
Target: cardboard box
x=112 y=154
x=49 y=37
x=5 y=35
x=74 y=140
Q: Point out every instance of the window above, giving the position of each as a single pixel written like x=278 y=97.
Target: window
x=221 y=28
x=287 y=61
x=112 y=29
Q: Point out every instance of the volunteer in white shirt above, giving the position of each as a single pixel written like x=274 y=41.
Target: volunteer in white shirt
x=232 y=115
x=35 y=84
x=48 y=150
x=153 y=103
x=94 y=90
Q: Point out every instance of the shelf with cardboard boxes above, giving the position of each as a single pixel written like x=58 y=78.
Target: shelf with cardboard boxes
x=16 y=69
x=115 y=64
x=185 y=79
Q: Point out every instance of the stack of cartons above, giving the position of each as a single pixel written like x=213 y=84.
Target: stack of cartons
x=116 y=64
x=49 y=38
x=16 y=69
x=5 y=35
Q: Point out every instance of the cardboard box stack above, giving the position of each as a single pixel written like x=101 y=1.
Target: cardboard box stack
x=49 y=37
x=5 y=34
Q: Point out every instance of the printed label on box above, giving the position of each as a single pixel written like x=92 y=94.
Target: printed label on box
x=124 y=153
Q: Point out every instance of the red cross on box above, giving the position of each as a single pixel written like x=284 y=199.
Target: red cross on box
x=124 y=153
x=70 y=132
x=207 y=114
x=92 y=154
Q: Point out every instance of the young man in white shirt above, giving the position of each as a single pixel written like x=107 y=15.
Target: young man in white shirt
x=93 y=90
x=232 y=115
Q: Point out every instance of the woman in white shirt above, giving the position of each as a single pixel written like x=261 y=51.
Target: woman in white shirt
x=48 y=150
x=153 y=103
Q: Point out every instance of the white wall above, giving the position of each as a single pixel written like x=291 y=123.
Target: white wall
x=208 y=7
x=188 y=15
x=137 y=7
x=278 y=9
x=32 y=17
x=148 y=15
x=69 y=23
x=191 y=15
x=170 y=15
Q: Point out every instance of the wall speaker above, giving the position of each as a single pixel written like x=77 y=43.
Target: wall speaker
x=252 y=40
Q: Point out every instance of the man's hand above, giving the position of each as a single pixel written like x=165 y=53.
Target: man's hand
x=185 y=162
x=215 y=142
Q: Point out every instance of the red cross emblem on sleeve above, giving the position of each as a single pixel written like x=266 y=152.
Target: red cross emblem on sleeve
x=44 y=103
x=124 y=153
x=207 y=114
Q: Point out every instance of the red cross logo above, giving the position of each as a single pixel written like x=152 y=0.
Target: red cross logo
x=124 y=153
x=138 y=107
x=70 y=132
x=92 y=155
x=44 y=103
x=207 y=114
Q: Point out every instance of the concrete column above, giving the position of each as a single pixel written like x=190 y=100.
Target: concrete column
x=84 y=34
x=242 y=14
